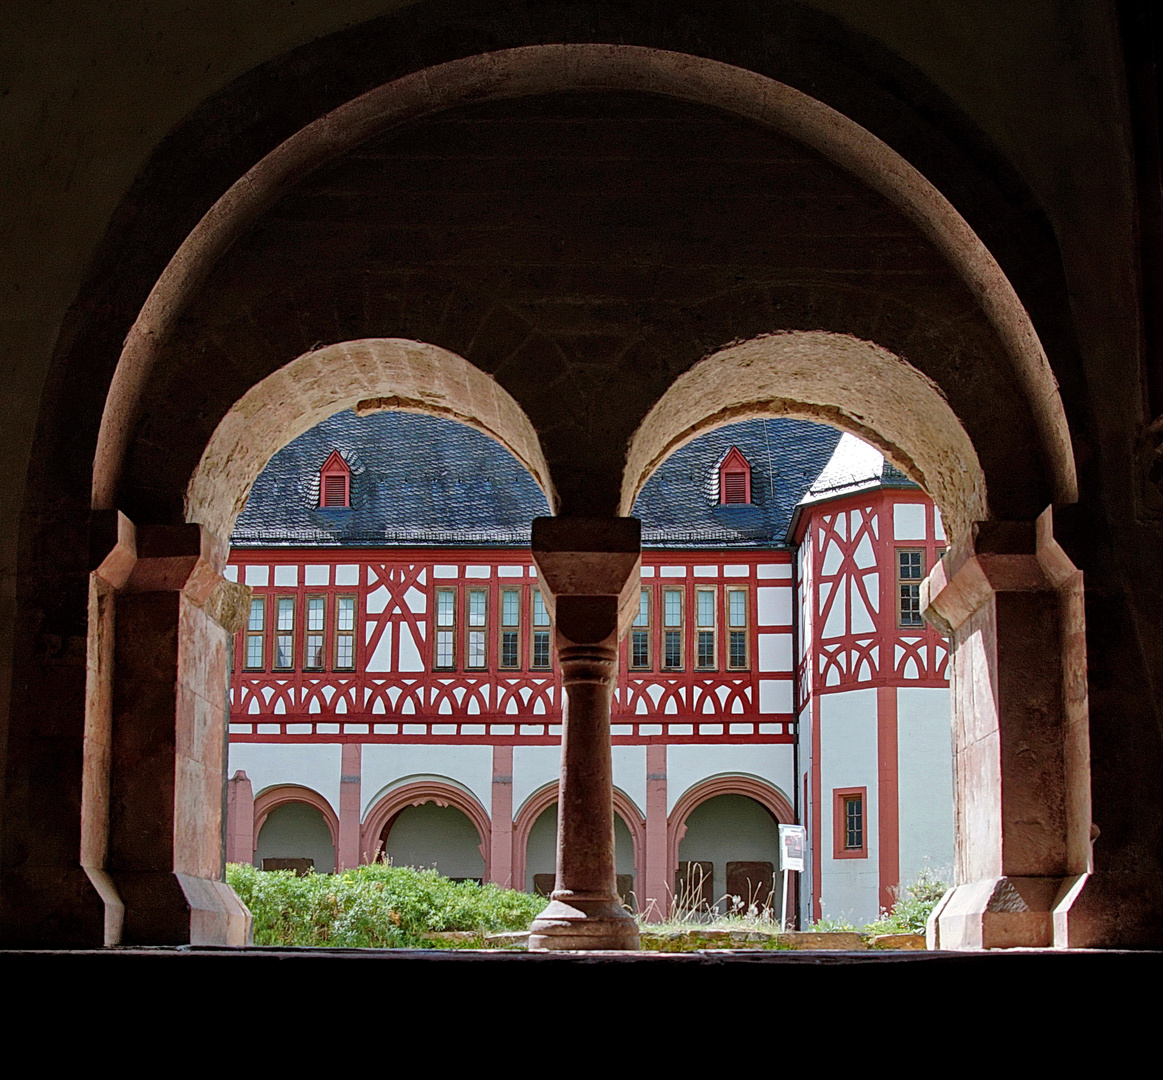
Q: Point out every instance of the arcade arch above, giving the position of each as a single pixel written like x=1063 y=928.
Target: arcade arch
x=932 y=423
x=293 y=822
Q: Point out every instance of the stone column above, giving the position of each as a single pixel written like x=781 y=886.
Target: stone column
x=1012 y=603
x=153 y=814
x=347 y=853
x=588 y=570
x=659 y=875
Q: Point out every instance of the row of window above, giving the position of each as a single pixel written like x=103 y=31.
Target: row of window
x=720 y=622
x=664 y=635
x=326 y=638
x=462 y=629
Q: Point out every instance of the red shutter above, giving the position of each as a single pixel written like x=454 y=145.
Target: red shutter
x=734 y=487
x=335 y=490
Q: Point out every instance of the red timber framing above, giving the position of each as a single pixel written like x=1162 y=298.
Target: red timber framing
x=852 y=638
x=391 y=688
x=848 y=581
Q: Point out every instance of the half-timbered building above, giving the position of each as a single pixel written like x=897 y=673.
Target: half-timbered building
x=395 y=691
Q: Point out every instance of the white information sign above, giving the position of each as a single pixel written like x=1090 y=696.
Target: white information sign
x=792 y=841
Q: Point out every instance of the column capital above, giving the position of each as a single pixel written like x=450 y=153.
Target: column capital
x=588 y=569
x=185 y=558
x=996 y=557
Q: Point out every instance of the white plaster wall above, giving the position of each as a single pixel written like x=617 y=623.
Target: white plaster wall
x=630 y=773
x=687 y=764
x=314 y=765
x=925 y=788
x=386 y=765
x=437 y=837
x=849 y=888
x=533 y=766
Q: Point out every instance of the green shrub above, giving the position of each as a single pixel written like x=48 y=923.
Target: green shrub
x=911 y=910
x=377 y=906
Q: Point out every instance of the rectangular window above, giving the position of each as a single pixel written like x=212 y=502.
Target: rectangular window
x=540 y=640
x=445 y=628
x=849 y=827
x=475 y=653
x=737 y=629
x=910 y=569
x=510 y=627
x=344 y=633
x=705 y=624
x=285 y=637
x=255 y=627
x=315 y=654
x=640 y=634
x=672 y=629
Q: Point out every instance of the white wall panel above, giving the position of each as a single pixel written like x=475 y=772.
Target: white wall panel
x=773 y=605
x=387 y=765
x=315 y=766
x=908 y=521
x=687 y=765
x=925 y=786
x=533 y=766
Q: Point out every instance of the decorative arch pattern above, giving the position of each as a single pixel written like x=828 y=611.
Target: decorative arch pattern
x=416 y=793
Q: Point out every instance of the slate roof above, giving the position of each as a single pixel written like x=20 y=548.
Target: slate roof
x=420 y=480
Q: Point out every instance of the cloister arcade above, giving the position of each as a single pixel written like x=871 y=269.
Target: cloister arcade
x=591 y=251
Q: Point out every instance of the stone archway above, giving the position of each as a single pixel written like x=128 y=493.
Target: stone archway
x=418 y=793
x=274 y=799
x=577 y=487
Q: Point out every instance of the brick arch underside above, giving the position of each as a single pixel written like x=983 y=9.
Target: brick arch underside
x=542 y=799
x=236 y=293
x=272 y=798
x=418 y=793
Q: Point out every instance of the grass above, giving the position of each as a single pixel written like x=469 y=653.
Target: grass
x=376 y=906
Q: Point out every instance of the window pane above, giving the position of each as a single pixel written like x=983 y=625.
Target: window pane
x=254 y=651
x=509 y=648
x=476 y=607
x=737 y=607
x=314 y=657
x=738 y=649
x=315 y=613
x=911 y=606
x=286 y=613
x=345 y=616
x=540 y=611
x=541 y=648
x=673 y=646
x=640 y=649
x=256 y=613
x=510 y=607
x=283 y=651
x=344 y=651
x=444 y=648
x=706 y=607
x=445 y=607
x=854 y=823
x=673 y=607
x=643 y=616
x=706 y=648
x=476 y=648
x=911 y=565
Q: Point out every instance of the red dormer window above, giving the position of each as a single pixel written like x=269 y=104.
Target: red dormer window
x=334 y=482
x=734 y=478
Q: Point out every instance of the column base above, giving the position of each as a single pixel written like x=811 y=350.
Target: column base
x=571 y=922
x=1110 y=910
x=50 y=907
x=179 y=909
x=996 y=913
